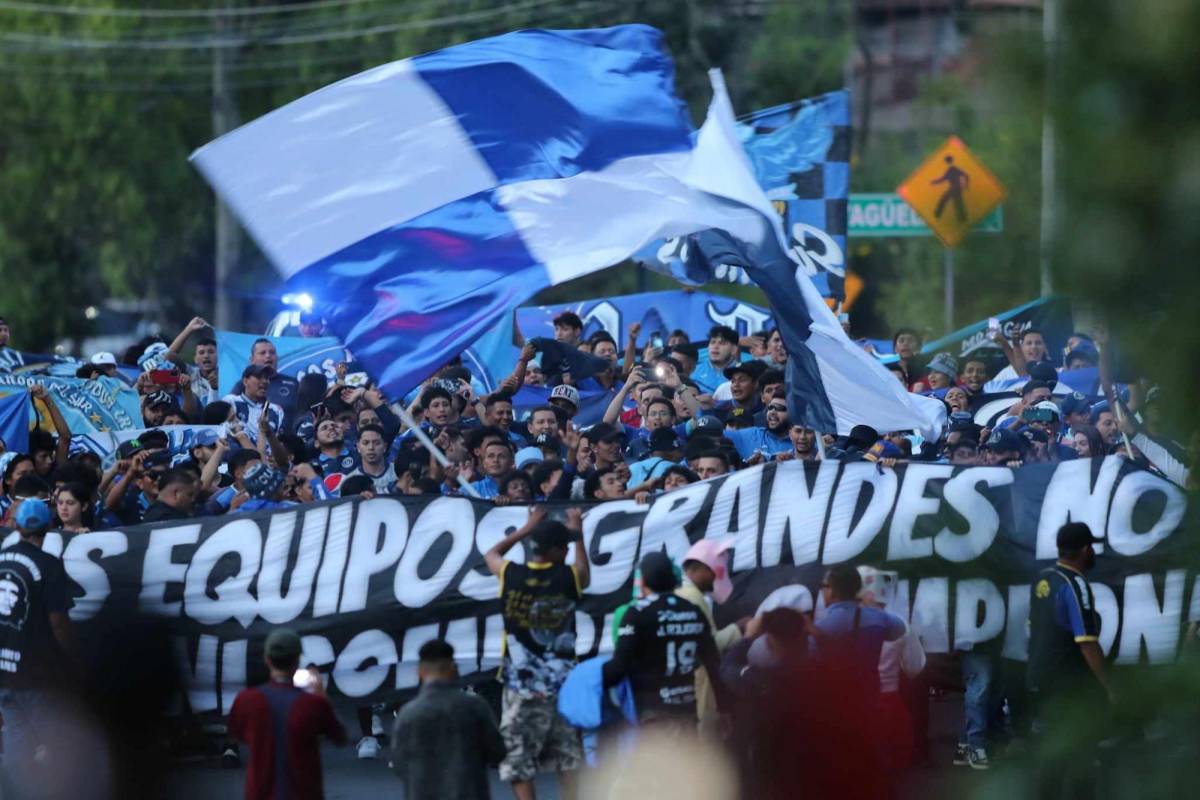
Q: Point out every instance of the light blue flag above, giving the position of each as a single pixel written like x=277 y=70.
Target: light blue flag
x=298 y=356
x=440 y=192
x=88 y=406
x=493 y=356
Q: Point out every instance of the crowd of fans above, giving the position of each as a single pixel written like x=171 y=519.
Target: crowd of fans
x=676 y=414
x=672 y=414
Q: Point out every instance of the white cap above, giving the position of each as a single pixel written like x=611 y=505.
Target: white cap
x=1049 y=405
x=566 y=392
x=104 y=360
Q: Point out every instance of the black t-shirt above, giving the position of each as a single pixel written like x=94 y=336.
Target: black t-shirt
x=33 y=585
x=1062 y=615
x=160 y=512
x=539 y=625
x=662 y=640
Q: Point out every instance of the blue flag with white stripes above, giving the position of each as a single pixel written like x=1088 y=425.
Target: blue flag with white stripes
x=428 y=197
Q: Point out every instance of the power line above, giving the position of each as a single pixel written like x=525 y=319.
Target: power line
x=254 y=30
x=50 y=43
x=181 y=13
x=89 y=80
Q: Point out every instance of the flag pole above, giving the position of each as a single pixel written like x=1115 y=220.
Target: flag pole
x=428 y=444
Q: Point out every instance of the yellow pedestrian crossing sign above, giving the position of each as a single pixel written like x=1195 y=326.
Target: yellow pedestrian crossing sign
x=952 y=191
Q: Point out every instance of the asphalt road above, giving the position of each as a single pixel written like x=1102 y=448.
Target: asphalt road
x=348 y=777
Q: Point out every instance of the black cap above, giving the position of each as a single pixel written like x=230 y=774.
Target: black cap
x=658 y=573
x=1043 y=371
x=751 y=368
x=159 y=398
x=664 y=439
x=258 y=371
x=710 y=426
x=129 y=447
x=547 y=440
x=605 y=432
x=1074 y=536
x=1004 y=440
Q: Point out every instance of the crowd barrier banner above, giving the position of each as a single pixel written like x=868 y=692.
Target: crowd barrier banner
x=1050 y=315
x=180 y=440
x=88 y=406
x=658 y=312
x=366 y=582
x=298 y=356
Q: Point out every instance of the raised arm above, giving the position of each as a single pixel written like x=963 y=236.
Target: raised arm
x=197 y=324
x=209 y=473
x=631 y=350
x=494 y=558
x=63 y=450
x=613 y=412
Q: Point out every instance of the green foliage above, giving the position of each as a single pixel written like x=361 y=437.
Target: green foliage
x=1129 y=131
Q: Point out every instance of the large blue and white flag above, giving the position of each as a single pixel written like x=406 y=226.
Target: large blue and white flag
x=429 y=197
x=800 y=155
x=833 y=384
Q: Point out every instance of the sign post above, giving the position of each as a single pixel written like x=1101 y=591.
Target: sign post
x=952 y=191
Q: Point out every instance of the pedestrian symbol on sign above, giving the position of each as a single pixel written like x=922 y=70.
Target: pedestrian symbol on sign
x=952 y=191
x=956 y=182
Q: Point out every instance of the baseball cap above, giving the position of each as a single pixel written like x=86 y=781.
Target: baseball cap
x=712 y=554
x=104 y=359
x=1075 y=402
x=945 y=364
x=566 y=392
x=159 y=398
x=1071 y=537
x=547 y=440
x=604 y=432
x=961 y=420
x=283 y=645
x=1043 y=371
x=528 y=455
x=258 y=371
x=710 y=426
x=129 y=448
x=205 y=438
x=664 y=439
x=1044 y=411
x=262 y=480
x=33 y=514
x=751 y=368
x=1004 y=440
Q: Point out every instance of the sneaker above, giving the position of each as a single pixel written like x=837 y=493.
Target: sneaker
x=230 y=758
x=368 y=747
x=977 y=758
x=961 y=755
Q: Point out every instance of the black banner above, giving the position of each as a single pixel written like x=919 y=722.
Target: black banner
x=366 y=582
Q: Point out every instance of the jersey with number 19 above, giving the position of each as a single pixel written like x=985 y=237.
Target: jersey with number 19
x=660 y=643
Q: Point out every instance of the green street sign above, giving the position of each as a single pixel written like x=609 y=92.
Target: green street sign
x=886 y=214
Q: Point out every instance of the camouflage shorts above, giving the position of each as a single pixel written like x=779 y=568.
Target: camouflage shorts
x=537 y=737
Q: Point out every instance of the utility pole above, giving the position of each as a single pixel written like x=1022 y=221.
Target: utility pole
x=224 y=119
x=1049 y=181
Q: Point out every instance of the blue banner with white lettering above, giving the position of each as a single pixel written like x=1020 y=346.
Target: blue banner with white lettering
x=101 y=404
x=298 y=356
x=658 y=312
